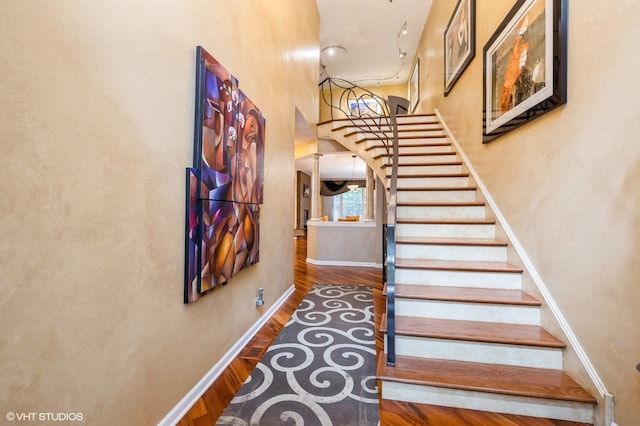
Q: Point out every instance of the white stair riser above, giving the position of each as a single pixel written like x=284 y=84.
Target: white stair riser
x=408 y=119
x=503 y=280
x=424 y=138
x=459 y=196
x=445 y=230
x=426 y=159
x=424 y=134
x=412 y=126
x=451 y=252
x=431 y=168
x=487 y=353
x=497 y=403
x=406 y=150
x=379 y=149
x=485 y=312
x=404 y=140
x=441 y=212
x=433 y=182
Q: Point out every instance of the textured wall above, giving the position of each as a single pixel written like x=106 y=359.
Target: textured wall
x=96 y=126
x=383 y=91
x=567 y=182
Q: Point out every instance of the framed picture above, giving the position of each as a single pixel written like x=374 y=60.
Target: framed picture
x=414 y=87
x=525 y=66
x=305 y=191
x=459 y=42
x=225 y=185
x=365 y=107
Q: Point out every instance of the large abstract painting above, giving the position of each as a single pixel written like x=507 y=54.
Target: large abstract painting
x=225 y=185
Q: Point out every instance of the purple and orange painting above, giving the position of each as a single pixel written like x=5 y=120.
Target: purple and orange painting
x=225 y=186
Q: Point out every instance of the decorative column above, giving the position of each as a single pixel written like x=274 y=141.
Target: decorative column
x=370 y=194
x=316 y=208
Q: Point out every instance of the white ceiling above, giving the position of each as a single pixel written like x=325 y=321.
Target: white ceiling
x=370 y=31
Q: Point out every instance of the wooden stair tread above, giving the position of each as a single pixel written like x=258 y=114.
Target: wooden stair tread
x=464 y=294
x=498 y=379
x=483 y=242
x=401 y=146
x=433 y=175
x=414 y=154
x=474 y=331
x=445 y=221
x=441 y=163
x=386 y=130
x=458 y=265
x=410 y=413
x=375 y=134
x=444 y=188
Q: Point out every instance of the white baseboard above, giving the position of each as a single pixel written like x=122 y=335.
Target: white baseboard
x=342 y=263
x=179 y=411
x=553 y=307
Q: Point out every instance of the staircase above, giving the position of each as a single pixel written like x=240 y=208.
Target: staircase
x=466 y=336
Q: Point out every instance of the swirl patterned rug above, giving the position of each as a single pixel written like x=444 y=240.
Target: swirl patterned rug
x=320 y=370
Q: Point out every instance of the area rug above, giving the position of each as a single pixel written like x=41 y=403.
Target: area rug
x=320 y=370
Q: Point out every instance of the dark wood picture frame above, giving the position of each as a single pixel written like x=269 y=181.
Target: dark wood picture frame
x=459 y=42
x=525 y=66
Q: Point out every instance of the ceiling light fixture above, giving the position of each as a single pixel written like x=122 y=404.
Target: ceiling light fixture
x=403 y=31
x=353 y=186
x=333 y=50
x=331 y=55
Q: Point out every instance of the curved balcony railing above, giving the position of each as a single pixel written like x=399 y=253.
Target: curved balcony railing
x=375 y=115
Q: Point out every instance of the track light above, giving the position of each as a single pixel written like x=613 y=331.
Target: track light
x=403 y=31
x=333 y=50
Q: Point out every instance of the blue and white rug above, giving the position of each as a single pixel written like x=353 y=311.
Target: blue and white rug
x=321 y=368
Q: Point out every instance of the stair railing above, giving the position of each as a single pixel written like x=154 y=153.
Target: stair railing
x=374 y=114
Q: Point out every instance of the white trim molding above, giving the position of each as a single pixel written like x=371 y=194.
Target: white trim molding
x=181 y=409
x=343 y=263
x=550 y=302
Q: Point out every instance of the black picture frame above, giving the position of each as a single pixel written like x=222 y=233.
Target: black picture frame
x=414 y=86
x=459 y=42
x=525 y=66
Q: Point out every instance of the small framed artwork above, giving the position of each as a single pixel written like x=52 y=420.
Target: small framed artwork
x=459 y=42
x=365 y=107
x=414 y=86
x=525 y=66
x=306 y=191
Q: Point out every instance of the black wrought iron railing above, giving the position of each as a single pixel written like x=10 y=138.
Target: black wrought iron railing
x=376 y=116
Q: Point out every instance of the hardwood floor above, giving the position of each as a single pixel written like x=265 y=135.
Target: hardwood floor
x=214 y=401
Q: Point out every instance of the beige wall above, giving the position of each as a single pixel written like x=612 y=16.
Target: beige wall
x=96 y=126
x=343 y=243
x=383 y=91
x=567 y=183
